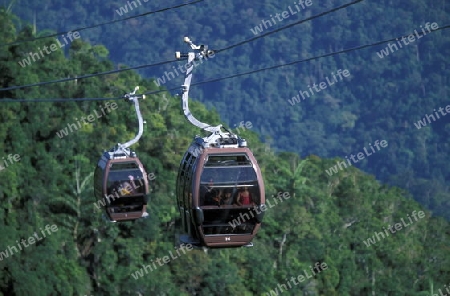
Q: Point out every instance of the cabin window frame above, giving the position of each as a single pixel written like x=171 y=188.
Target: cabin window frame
x=188 y=182
x=182 y=180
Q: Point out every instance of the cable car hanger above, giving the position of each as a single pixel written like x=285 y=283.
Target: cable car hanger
x=225 y=160
x=123 y=150
x=120 y=179
x=217 y=137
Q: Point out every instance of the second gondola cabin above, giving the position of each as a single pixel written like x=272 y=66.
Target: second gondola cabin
x=120 y=180
x=121 y=184
x=220 y=192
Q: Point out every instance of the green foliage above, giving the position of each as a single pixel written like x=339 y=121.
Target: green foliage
x=326 y=219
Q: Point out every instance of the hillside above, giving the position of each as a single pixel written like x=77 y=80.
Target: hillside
x=345 y=223
x=392 y=87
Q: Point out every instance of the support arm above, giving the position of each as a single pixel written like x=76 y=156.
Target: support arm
x=201 y=52
x=134 y=98
x=217 y=138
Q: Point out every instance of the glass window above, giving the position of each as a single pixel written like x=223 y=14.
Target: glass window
x=230 y=195
x=184 y=163
x=227 y=160
x=228 y=175
x=129 y=204
x=229 y=221
x=188 y=183
x=126 y=182
x=124 y=166
x=229 y=186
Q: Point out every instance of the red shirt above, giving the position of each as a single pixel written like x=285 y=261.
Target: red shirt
x=245 y=199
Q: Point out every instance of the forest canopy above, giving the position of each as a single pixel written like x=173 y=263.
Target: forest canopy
x=373 y=238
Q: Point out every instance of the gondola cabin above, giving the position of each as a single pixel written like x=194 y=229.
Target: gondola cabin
x=122 y=186
x=220 y=189
x=220 y=192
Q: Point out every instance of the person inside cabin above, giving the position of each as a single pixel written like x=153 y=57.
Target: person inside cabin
x=209 y=197
x=244 y=197
x=227 y=198
x=127 y=187
x=217 y=199
x=210 y=185
x=114 y=188
x=213 y=198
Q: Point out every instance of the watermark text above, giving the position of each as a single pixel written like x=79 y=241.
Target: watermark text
x=318 y=87
x=281 y=16
x=165 y=259
x=397 y=226
x=342 y=165
x=31 y=240
x=73 y=126
x=10 y=159
x=53 y=47
x=411 y=38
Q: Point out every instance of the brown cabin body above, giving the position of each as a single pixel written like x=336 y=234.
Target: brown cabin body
x=129 y=200
x=206 y=173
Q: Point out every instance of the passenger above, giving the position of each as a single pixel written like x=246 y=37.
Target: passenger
x=227 y=199
x=209 y=197
x=217 y=199
x=114 y=188
x=244 y=197
x=210 y=186
x=126 y=188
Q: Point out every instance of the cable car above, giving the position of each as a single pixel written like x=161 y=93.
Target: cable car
x=120 y=180
x=220 y=189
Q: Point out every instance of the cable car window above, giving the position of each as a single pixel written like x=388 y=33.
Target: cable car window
x=227 y=186
x=188 y=184
x=129 y=204
x=124 y=166
x=227 y=160
x=230 y=195
x=184 y=164
x=126 y=182
x=228 y=175
x=229 y=221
